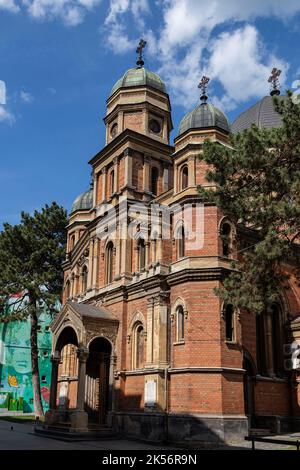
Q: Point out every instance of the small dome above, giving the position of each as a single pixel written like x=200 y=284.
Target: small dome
x=83 y=202
x=139 y=77
x=262 y=114
x=202 y=117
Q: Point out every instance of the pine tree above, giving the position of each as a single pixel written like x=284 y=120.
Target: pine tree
x=257 y=184
x=31 y=254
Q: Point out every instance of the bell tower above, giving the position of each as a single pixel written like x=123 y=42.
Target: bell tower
x=139 y=101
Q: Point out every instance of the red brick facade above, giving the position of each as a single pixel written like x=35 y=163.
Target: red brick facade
x=202 y=379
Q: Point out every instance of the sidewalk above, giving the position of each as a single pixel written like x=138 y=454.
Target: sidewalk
x=19 y=436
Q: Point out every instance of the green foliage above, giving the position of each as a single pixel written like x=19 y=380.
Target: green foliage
x=257 y=184
x=31 y=254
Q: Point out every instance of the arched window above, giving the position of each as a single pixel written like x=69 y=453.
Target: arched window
x=84 y=279
x=112 y=182
x=229 y=323
x=226 y=237
x=138 y=346
x=141 y=254
x=184 y=177
x=269 y=342
x=180 y=240
x=154 y=180
x=109 y=263
x=179 y=323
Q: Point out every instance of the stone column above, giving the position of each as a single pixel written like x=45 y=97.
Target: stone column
x=147 y=253
x=175 y=184
x=95 y=263
x=104 y=171
x=55 y=360
x=116 y=178
x=78 y=417
x=191 y=171
x=165 y=182
x=90 y=271
x=111 y=388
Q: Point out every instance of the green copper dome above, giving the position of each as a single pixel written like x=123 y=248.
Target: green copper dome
x=83 y=202
x=139 y=77
x=202 y=117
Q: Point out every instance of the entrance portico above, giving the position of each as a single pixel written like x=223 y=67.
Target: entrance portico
x=83 y=359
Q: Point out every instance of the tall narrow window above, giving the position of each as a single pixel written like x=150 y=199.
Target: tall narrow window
x=154 y=180
x=179 y=323
x=277 y=340
x=260 y=345
x=109 y=263
x=141 y=254
x=138 y=346
x=112 y=182
x=229 y=322
x=184 y=177
x=226 y=237
x=180 y=242
x=84 y=279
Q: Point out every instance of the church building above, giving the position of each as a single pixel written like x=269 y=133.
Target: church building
x=143 y=346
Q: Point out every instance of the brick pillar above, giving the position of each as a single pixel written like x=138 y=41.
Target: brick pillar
x=146 y=172
x=128 y=167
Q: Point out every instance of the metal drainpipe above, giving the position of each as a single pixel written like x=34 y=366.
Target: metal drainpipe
x=169 y=349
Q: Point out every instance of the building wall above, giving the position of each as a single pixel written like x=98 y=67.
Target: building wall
x=16 y=392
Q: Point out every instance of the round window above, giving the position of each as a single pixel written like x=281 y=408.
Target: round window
x=114 y=130
x=154 y=126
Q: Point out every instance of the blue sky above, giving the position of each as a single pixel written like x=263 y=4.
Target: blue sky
x=60 y=58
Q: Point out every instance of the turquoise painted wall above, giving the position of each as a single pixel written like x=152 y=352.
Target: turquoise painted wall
x=15 y=364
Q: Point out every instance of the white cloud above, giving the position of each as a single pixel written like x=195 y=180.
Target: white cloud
x=26 y=97
x=9 y=5
x=71 y=12
x=116 y=27
x=237 y=60
x=185 y=19
x=2 y=92
x=5 y=114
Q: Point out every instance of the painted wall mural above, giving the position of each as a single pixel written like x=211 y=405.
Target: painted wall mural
x=16 y=392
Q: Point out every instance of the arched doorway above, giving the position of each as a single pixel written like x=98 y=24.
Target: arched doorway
x=67 y=378
x=249 y=396
x=97 y=386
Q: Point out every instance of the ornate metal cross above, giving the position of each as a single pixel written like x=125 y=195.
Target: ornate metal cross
x=139 y=51
x=203 y=85
x=273 y=79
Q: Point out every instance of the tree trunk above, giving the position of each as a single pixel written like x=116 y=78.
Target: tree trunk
x=37 y=400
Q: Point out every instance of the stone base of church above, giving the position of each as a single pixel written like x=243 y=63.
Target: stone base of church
x=76 y=420
x=278 y=424
x=181 y=428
